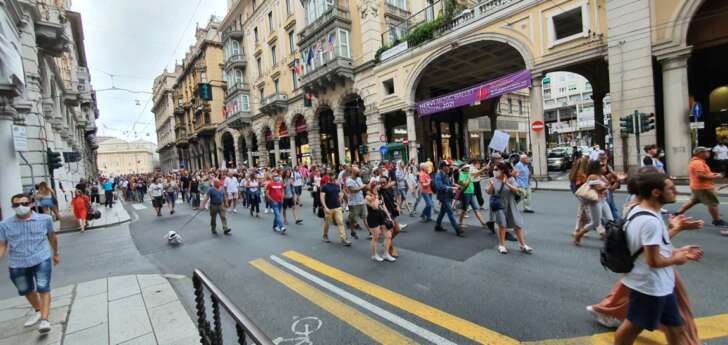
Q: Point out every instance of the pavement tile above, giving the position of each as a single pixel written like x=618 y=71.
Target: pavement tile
x=62 y=301
x=91 y=288
x=88 y=312
x=14 y=313
x=157 y=295
x=147 y=339
x=13 y=302
x=123 y=286
x=57 y=318
x=97 y=335
x=128 y=319
x=172 y=325
x=34 y=338
x=147 y=280
x=62 y=291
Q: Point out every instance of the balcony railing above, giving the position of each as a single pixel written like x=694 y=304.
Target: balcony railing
x=335 y=14
x=235 y=61
x=274 y=103
x=395 y=11
x=329 y=75
x=232 y=33
x=439 y=22
x=50 y=30
x=236 y=119
x=235 y=88
x=211 y=333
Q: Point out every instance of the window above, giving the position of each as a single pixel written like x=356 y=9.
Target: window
x=316 y=8
x=547 y=93
x=398 y=3
x=253 y=5
x=289 y=7
x=388 y=86
x=295 y=80
x=244 y=102
x=238 y=76
x=262 y=94
x=260 y=66
x=520 y=106
x=562 y=90
x=277 y=86
x=572 y=87
x=273 y=55
x=568 y=24
x=255 y=34
x=292 y=41
x=587 y=86
x=344 y=49
x=270 y=22
x=510 y=105
x=232 y=49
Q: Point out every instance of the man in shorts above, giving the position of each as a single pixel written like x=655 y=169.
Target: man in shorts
x=297 y=186
x=651 y=282
x=357 y=208
x=32 y=248
x=231 y=190
x=702 y=184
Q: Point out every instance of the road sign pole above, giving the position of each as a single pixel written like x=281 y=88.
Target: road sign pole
x=637 y=129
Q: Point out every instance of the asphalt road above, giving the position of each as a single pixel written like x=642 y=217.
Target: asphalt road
x=442 y=287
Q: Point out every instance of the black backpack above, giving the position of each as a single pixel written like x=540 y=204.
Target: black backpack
x=615 y=255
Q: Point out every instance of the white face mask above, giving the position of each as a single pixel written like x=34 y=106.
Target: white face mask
x=21 y=211
x=497 y=173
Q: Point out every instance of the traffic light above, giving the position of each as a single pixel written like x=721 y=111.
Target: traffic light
x=647 y=122
x=363 y=149
x=204 y=91
x=54 y=160
x=626 y=124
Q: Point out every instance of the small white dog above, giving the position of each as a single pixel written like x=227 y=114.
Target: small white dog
x=173 y=238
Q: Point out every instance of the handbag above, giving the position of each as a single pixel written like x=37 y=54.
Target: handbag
x=496 y=203
x=586 y=193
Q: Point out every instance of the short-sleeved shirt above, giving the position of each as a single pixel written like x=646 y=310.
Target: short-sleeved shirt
x=331 y=195
x=27 y=240
x=721 y=152
x=649 y=230
x=425 y=182
x=399 y=175
x=523 y=174
x=231 y=184
x=288 y=193
x=108 y=185
x=698 y=166
x=275 y=190
x=171 y=187
x=355 y=198
x=216 y=196
x=155 y=189
x=297 y=179
x=463 y=177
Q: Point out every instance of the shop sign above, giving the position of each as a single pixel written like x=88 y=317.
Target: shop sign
x=300 y=125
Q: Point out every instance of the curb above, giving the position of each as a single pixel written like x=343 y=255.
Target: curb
x=93 y=227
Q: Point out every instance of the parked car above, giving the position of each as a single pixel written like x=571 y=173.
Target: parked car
x=559 y=159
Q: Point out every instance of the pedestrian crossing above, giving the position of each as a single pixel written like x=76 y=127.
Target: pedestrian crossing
x=383 y=315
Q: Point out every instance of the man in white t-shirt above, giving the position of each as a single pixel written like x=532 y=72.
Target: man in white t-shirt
x=297 y=187
x=231 y=189
x=720 y=154
x=652 y=280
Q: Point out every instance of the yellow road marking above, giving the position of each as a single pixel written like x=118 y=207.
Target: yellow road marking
x=711 y=327
x=436 y=316
x=372 y=328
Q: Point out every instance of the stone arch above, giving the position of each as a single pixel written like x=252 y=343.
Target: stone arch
x=682 y=20
x=275 y=124
x=415 y=75
x=290 y=116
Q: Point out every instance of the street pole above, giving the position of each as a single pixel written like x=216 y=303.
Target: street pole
x=636 y=122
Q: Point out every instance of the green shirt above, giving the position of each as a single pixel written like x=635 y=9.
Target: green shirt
x=464 y=176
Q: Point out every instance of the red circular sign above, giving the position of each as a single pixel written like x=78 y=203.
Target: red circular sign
x=537 y=126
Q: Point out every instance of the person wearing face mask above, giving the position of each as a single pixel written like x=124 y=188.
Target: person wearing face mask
x=216 y=196
x=156 y=190
x=32 y=248
x=502 y=188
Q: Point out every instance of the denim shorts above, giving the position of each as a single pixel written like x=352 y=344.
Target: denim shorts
x=648 y=312
x=35 y=278
x=298 y=190
x=469 y=200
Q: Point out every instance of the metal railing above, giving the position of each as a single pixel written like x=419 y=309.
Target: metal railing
x=338 y=10
x=398 y=32
x=211 y=333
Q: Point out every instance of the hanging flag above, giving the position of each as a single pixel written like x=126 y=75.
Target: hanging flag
x=318 y=47
x=331 y=42
x=309 y=59
x=294 y=68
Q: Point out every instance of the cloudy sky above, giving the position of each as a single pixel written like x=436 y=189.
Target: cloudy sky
x=135 y=40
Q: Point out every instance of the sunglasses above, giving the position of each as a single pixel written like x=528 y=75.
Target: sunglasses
x=16 y=204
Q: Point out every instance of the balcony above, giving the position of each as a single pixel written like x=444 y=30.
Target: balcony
x=204 y=125
x=50 y=30
x=328 y=76
x=232 y=33
x=274 y=103
x=236 y=119
x=70 y=92
x=181 y=138
x=91 y=127
x=201 y=107
x=236 y=88
x=179 y=110
x=235 y=61
x=395 y=12
x=335 y=16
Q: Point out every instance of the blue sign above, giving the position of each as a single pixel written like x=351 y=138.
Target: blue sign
x=383 y=150
x=697 y=110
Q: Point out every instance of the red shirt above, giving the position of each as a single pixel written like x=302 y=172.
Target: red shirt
x=275 y=191
x=324 y=180
x=425 y=180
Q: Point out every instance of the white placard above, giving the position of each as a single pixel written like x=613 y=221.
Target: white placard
x=499 y=141
x=697 y=125
x=20 y=138
x=393 y=51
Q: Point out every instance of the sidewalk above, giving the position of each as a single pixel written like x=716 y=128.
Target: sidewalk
x=109 y=217
x=131 y=309
x=564 y=185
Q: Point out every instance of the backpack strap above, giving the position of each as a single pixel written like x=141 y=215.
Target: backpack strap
x=640 y=213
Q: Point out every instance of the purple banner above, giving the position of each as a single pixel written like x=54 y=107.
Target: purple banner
x=494 y=88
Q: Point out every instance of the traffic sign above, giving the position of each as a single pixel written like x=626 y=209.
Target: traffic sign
x=537 y=126
x=383 y=150
x=697 y=110
x=697 y=125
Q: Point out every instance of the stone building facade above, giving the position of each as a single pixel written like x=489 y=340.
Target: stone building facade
x=163 y=109
x=118 y=157
x=46 y=98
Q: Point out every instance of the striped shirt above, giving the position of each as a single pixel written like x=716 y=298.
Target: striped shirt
x=27 y=240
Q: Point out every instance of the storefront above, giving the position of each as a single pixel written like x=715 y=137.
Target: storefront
x=284 y=145
x=302 y=149
x=270 y=147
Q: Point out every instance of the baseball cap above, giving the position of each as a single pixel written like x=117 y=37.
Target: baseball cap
x=444 y=163
x=700 y=149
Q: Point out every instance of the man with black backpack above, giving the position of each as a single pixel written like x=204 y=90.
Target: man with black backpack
x=652 y=278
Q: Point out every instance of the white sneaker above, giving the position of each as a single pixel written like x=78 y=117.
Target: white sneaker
x=377 y=258
x=604 y=320
x=402 y=226
x=235 y=210
x=32 y=320
x=44 y=327
x=266 y=211
x=389 y=258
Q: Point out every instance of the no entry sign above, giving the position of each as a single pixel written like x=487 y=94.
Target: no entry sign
x=537 y=126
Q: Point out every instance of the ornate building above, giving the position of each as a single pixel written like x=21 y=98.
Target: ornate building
x=163 y=109
x=118 y=157
x=46 y=98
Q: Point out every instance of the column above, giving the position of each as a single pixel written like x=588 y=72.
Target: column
x=675 y=98
x=314 y=142
x=262 y=154
x=600 y=131
x=340 y=140
x=412 y=133
x=294 y=159
x=10 y=169
x=238 y=152
x=250 y=158
x=375 y=133
x=277 y=150
x=538 y=139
